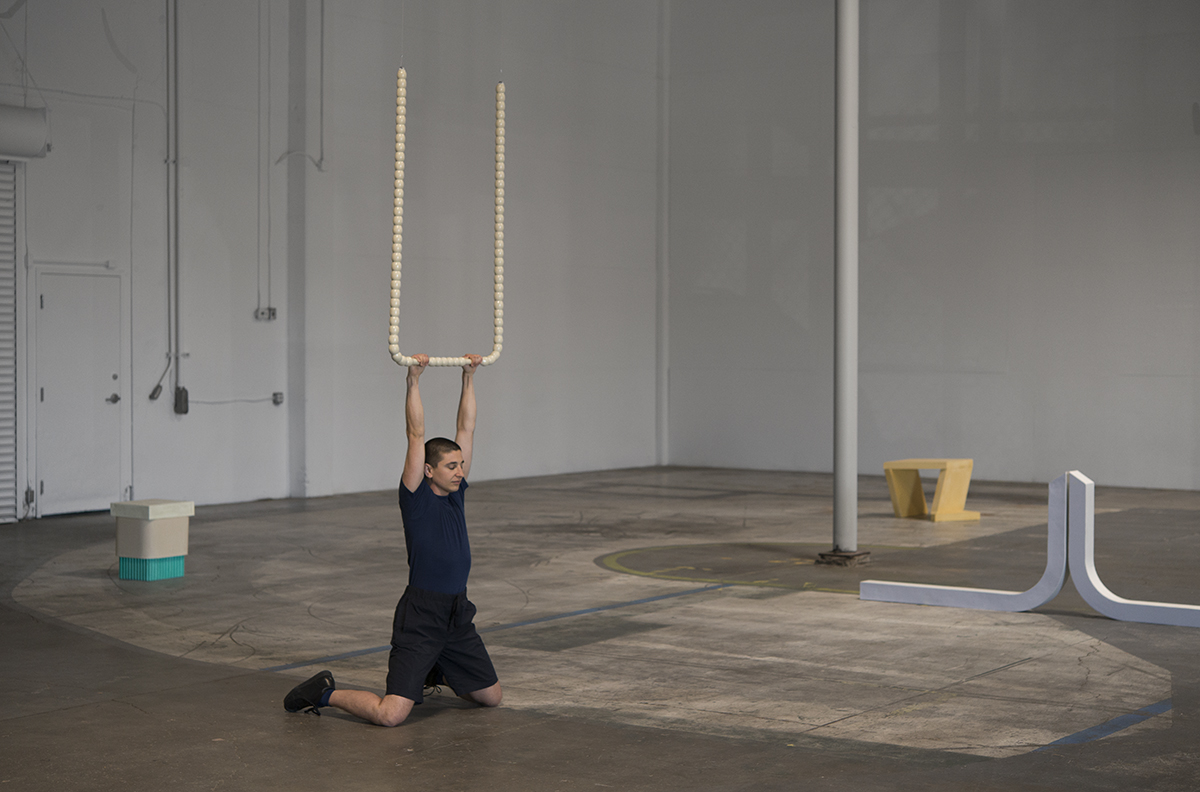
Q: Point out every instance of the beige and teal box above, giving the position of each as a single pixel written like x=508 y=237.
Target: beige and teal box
x=152 y=538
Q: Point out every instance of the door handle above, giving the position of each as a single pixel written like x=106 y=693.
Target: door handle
x=113 y=399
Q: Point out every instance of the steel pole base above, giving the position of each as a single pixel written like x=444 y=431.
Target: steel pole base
x=845 y=558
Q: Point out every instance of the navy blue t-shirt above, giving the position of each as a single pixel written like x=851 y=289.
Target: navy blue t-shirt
x=435 y=533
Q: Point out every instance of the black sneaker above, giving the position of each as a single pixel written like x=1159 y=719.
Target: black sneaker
x=307 y=695
x=434 y=681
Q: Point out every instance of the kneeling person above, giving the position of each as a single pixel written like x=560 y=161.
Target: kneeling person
x=434 y=640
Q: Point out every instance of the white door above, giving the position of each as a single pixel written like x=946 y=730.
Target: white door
x=79 y=414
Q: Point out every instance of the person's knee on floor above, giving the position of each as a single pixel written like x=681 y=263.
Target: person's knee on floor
x=487 y=697
x=393 y=710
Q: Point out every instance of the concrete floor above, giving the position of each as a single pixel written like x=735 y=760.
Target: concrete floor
x=661 y=629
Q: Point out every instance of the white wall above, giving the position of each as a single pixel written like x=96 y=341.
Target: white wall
x=230 y=248
x=574 y=388
x=1031 y=275
x=1030 y=287
x=1030 y=281
x=101 y=195
x=751 y=234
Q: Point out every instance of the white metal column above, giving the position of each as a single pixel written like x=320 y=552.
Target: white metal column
x=845 y=375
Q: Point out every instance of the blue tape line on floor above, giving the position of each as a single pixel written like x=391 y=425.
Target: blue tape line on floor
x=1112 y=726
x=585 y=611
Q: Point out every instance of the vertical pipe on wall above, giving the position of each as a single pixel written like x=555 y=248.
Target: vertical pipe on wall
x=181 y=403
x=297 y=208
x=845 y=420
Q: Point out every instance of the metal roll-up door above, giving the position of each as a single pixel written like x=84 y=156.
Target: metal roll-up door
x=8 y=342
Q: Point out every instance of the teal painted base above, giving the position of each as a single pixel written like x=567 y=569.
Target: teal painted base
x=151 y=568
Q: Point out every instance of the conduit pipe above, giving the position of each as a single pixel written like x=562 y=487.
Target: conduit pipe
x=176 y=350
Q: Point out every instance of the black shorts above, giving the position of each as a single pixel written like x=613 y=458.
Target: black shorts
x=430 y=627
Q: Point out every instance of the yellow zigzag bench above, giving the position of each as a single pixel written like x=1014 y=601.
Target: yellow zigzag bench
x=908 y=498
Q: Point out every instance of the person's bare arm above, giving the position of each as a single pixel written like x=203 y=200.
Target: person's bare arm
x=465 y=432
x=414 y=427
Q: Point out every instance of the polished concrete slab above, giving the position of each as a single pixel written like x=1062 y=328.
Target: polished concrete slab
x=660 y=628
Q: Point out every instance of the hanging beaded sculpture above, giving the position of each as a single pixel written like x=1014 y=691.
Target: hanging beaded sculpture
x=398 y=234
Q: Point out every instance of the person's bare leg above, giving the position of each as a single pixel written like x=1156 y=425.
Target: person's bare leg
x=387 y=711
x=487 y=697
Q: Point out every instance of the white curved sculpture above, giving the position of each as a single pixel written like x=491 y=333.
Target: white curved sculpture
x=1082 y=517
x=1042 y=592
x=398 y=236
x=1070 y=542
